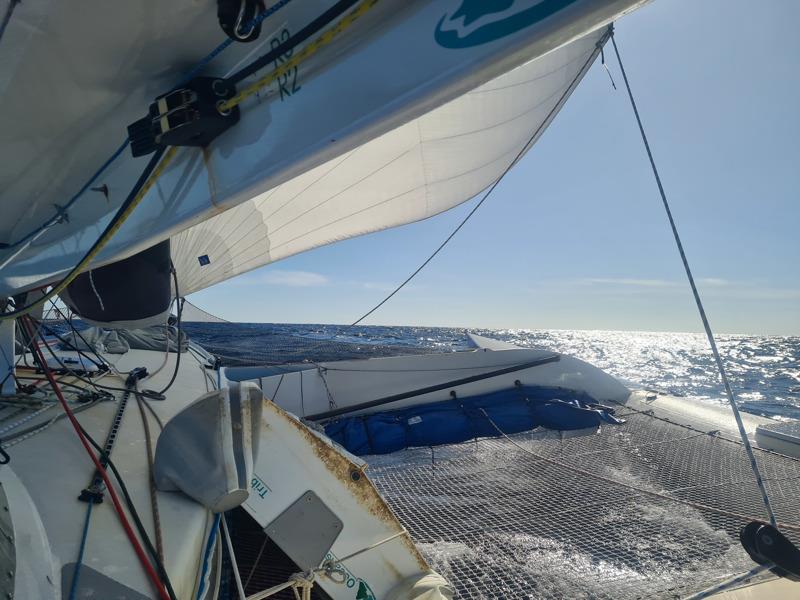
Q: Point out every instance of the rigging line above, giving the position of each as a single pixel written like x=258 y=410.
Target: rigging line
x=148 y=441
x=29 y=432
x=12 y=4
x=99 y=388
x=232 y=557
x=730 y=583
x=73 y=588
x=210 y=545
x=179 y=307
x=73 y=345
x=488 y=192
x=255 y=563
x=96 y=293
x=22 y=354
x=152 y=411
x=709 y=333
x=59 y=215
x=163 y=364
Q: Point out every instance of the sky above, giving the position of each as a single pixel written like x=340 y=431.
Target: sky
x=575 y=236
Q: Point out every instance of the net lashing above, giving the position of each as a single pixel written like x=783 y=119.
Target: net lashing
x=647 y=509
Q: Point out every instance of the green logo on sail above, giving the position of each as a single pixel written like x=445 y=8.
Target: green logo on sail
x=364 y=593
x=477 y=22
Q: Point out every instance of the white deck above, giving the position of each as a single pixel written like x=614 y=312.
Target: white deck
x=54 y=468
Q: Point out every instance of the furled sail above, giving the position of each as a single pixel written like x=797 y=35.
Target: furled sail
x=415 y=171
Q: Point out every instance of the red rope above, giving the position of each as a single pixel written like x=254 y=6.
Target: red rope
x=137 y=547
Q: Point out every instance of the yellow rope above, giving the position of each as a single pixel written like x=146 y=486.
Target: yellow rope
x=320 y=42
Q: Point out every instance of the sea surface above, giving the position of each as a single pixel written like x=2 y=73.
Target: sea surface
x=764 y=370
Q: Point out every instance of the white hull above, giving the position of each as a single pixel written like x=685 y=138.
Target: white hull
x=341 y=384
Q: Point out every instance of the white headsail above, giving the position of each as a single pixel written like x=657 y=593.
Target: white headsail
x=415 y=171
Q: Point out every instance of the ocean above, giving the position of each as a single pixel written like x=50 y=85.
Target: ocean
x=764 y=370
x=500 y=524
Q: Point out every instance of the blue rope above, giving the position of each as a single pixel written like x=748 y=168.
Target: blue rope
x=62 y=209
x=212 y=536
x=194 y=71
x=73 y=589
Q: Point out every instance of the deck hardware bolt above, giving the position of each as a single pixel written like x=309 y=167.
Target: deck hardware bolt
x=223 y=111
x=355 y=475
x=219 y=88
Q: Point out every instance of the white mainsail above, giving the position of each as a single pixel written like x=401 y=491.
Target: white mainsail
x=415 y=171
x=349 y=148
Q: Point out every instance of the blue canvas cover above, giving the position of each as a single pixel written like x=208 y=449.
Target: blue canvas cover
x=451 y=421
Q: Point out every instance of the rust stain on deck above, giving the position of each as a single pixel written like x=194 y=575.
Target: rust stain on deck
x=354 y=479
x=212 y=180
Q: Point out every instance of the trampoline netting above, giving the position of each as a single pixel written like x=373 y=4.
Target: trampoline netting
x=641 y=510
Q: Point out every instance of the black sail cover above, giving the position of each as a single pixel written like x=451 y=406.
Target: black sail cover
x=130 y=294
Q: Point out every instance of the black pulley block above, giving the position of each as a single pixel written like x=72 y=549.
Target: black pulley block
x=765 y=544
x=236 y=17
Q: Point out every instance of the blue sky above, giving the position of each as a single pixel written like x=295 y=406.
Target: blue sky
x=575 y=236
